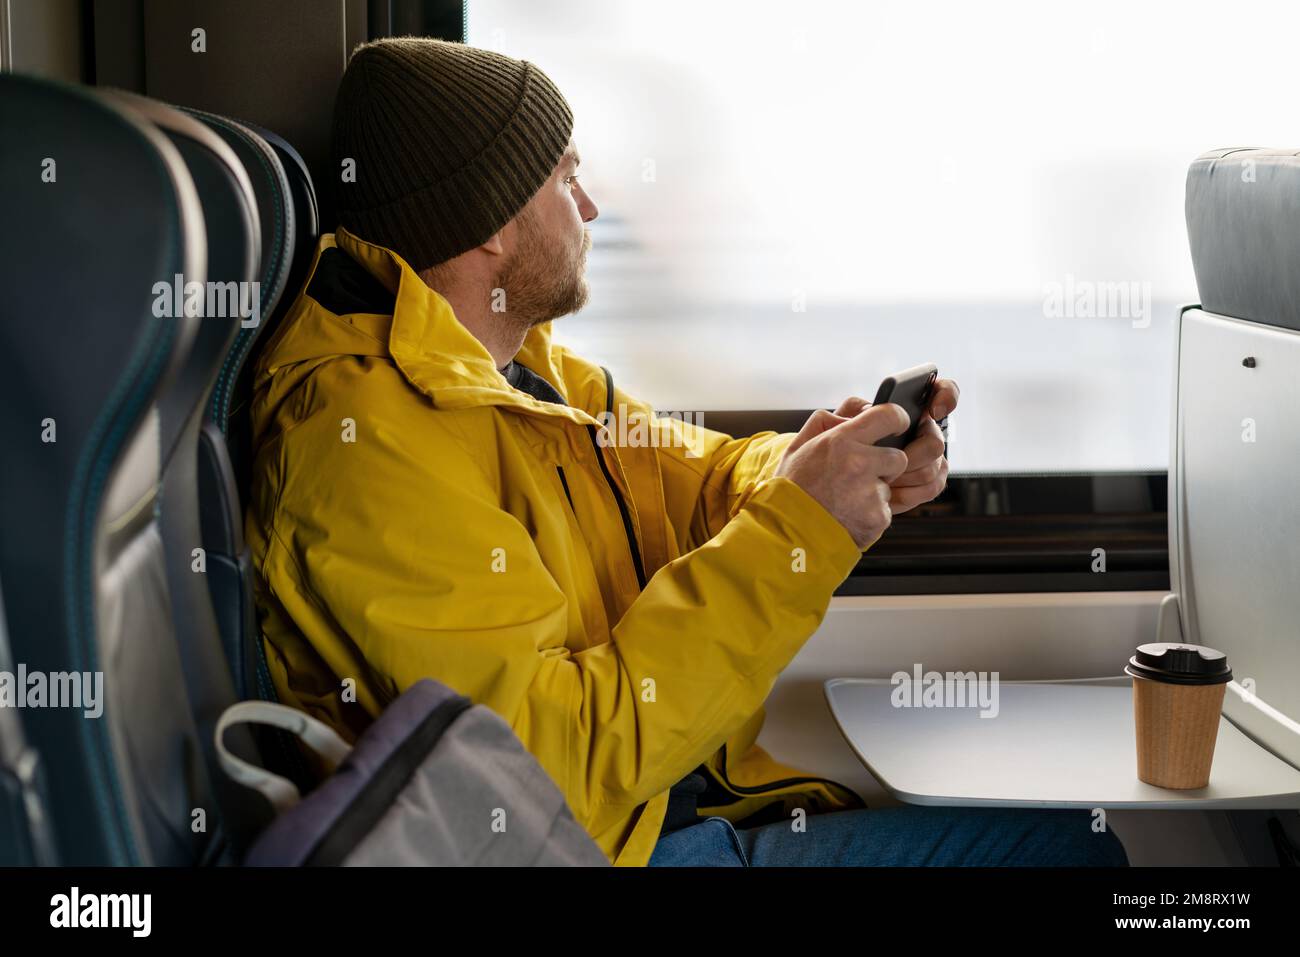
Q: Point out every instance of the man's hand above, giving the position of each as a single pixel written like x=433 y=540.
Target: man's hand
x=927 y=467
x=835 y=460
x=944 y=400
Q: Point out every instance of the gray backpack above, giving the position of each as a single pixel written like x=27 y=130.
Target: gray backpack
x=435 y=780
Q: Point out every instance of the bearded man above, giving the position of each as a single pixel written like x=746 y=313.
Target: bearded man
x=436 y=494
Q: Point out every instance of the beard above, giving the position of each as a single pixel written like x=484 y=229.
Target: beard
x=543 y=279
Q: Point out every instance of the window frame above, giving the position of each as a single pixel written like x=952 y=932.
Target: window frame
x=991 y=533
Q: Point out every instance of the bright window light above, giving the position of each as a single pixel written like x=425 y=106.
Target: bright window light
x=799 y=198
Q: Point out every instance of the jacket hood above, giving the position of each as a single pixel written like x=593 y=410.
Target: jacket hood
x=384 y=309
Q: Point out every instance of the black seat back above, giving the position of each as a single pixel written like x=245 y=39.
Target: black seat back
x=109 y=214
x=305 y=230
x=230 y=576
x=231 y=305
x=287 y=205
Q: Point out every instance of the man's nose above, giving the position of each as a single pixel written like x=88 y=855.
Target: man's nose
x=587 y=206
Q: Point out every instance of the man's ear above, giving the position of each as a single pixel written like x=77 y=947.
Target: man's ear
x=494 y=244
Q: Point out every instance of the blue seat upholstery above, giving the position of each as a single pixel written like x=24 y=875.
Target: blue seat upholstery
x=102 y=209
x=286 y=202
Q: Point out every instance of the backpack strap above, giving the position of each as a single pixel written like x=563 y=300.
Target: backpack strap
x=281 y=792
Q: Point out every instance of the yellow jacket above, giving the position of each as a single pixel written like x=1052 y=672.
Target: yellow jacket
x=413 y=515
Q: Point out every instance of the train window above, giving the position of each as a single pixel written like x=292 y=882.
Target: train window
x=801 y=199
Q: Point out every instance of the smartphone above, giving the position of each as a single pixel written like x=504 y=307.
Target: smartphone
x=911 y=389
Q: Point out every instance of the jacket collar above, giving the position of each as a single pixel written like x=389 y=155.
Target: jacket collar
x=434 y=351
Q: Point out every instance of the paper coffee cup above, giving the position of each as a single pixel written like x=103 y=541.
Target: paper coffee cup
x=1177 y=699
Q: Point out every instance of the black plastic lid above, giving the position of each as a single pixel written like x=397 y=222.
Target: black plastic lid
x=1180 y=664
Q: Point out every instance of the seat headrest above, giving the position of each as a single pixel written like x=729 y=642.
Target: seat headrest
x=1243 y=225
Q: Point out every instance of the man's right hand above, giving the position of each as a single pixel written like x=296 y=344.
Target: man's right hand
x=835 y=460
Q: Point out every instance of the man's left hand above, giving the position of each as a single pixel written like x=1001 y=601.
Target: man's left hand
x=927 y=466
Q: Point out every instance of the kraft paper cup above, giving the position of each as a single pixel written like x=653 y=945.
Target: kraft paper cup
x=1177 y=699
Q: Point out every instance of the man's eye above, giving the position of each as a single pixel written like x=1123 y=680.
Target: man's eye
x=570 y=180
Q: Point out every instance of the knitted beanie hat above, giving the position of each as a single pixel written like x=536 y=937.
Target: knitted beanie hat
x=449 y=143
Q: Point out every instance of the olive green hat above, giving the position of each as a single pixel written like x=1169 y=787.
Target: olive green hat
x=449 y=143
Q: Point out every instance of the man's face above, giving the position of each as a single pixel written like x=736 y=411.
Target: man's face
x=543 y=275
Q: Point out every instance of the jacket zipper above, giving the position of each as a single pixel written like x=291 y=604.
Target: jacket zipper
x=567 y=494
x=622 y=508
x=609 y=479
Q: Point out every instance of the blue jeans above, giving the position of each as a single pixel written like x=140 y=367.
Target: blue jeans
x=908 y=836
